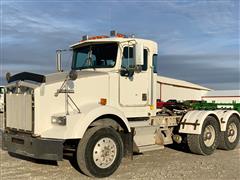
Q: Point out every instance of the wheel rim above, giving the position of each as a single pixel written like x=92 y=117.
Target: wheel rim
x=232 y=132
x=104 y=152
x=209 y=135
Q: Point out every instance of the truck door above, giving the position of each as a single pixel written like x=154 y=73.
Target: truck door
x=134 y=91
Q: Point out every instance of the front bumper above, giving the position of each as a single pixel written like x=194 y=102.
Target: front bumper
x=37 y=148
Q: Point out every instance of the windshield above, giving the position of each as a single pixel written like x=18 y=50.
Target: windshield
x=95 y=56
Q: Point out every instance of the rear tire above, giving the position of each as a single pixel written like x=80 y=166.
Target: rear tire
x=229 y=139
x=206 y=142
x=100 y=152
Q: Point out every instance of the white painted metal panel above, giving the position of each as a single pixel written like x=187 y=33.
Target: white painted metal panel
x=133 y=89
x=145 y=135
x=88 y=89
x=197 y=117
x=168 y=88
x=179 y=93
x=19 y=111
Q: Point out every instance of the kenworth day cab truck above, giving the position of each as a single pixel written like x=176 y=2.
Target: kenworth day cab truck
x=104 y=109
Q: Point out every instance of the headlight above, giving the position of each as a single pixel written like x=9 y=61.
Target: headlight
x=61 y=120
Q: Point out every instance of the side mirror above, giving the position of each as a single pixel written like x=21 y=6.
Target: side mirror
x=73 y=75
x=131 y=72
x=127 y=72
x=138 y=53
x=58 y=61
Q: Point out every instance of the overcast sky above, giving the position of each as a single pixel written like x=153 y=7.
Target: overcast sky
x=198 y=40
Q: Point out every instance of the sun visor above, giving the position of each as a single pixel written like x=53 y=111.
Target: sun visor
x=27 y=76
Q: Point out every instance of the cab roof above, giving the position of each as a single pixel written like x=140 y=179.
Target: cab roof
x=112 y=39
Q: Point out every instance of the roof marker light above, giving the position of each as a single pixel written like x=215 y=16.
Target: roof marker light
x=85 y=37
x=115 y=34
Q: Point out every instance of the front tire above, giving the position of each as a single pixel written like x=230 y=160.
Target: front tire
x=206 y=142
x=229 y=139
x=100 y=152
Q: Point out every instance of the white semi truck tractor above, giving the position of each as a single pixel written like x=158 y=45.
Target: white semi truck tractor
x=104 y=109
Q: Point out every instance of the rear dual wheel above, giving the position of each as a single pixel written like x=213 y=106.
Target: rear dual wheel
x=206 y=142
x=229 y=139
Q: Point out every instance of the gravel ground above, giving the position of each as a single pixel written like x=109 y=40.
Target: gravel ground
x=168 y=163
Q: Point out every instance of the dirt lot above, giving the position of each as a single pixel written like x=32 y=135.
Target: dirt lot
x=162 y=164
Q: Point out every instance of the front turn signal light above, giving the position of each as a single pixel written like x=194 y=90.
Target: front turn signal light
x=103 y=101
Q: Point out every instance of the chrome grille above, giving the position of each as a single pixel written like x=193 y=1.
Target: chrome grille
x=19 y=111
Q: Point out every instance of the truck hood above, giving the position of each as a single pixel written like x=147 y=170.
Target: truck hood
x=38 y=79
x=61 y=76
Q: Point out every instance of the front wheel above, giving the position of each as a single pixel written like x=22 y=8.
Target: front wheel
x=100 y=152
x=229 y=139
x=206 y=142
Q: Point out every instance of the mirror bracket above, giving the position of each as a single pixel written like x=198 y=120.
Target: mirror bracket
x=127 y=72
x=73 y=75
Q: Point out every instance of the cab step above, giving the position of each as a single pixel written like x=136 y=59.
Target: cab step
x=150 y=148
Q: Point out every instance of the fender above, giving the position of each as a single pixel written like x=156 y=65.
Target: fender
x=92 y=112
x=192 y=122
x=224 y=115
x=77 y=123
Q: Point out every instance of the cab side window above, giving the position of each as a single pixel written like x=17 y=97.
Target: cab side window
x=128 y=60
x=145 y=60
x=155 y=58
